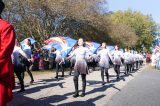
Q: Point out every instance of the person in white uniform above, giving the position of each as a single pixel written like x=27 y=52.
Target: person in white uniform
x=117 y=55
x=19 y=68
x=28 y=48
x=127 y=61
x=59 y=62
x=95 y=61
x=28 y=51
x=72 y=62
x=104 y=62
x=80 y=67
x=137 y=60
x=141 y=59
x=132 y=60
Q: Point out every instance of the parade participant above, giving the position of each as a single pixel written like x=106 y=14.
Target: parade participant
x=89 y=60
x=7 y=42
x=28 y=48
x=137 y=59
x=117 y=55
x=141 y=59
x=27 y=62
x=130 y=61
x=94 y=62
x=59 y=62
x=52 y=57
x=153 y=58
x=19 y=68
x=127 y=61
x=104 y=62
x=72 y=61
x=133 y=60
x=80 y=67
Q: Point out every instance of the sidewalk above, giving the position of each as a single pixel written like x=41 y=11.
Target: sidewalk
x=47 y=91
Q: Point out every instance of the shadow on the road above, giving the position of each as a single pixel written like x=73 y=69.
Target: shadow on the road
x=45 y=83
x=93 y=82
x=47 y=101
x=19 y=97
x=89 y=102
x=122 y=77
x=102 y=89
x=39 y=88
x=42 y=81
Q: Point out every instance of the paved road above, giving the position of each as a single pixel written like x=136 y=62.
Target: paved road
x=47 y=91
x=144 y=90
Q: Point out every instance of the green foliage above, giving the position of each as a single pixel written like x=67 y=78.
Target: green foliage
x=41 y=19
x=143 y=26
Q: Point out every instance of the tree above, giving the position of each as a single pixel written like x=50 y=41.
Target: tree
x=42 y=19
x=122 y=35
x=142 y=25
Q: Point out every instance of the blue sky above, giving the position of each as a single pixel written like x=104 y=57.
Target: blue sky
x=145 y=6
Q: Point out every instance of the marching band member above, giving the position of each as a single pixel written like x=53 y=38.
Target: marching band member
x=80 y=67
x=137 y=59
x=127 y=60
x=28 y=51
x=72 y=62
x=141 y=59
x=117 y=55
x=28 y=48
x=95 y=61
x=133 y=60
x=19 y=68
x=59 y=62
x=104 y=62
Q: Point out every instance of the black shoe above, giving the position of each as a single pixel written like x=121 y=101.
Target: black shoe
x=103 y=83
x=83 y=95
x=62 y=76
x=21 y=90
x=75 y=95
x=56 y=77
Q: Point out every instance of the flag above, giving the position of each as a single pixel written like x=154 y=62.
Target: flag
x=110 y=48
x=158 y=42
x=47 y=47
x=63 y=44
x=157 y=48
x=92 y=46
x=24 y=41
x=32 y=41
x=59 y=40
x=123 y=50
